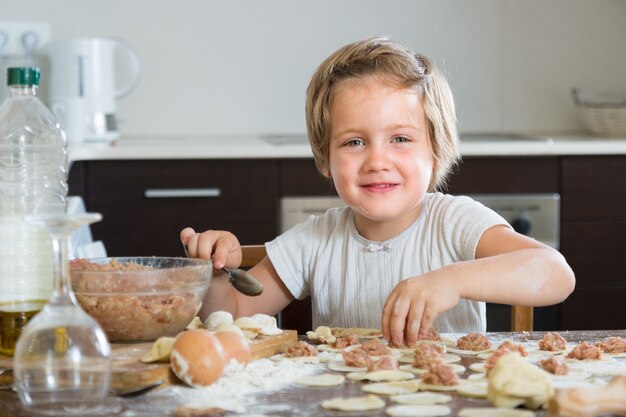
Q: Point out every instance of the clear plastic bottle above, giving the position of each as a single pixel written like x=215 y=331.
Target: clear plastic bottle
x=33 y=180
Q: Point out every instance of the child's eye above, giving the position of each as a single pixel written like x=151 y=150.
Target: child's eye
x=354 y=142
x=401 y=139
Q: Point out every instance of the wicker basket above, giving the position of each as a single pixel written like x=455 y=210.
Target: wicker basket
x=603 y=115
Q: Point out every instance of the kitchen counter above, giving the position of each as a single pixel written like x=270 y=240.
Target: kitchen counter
x=289 y=399
x=297 y=146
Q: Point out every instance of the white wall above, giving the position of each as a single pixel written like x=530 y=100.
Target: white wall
x=236 y=67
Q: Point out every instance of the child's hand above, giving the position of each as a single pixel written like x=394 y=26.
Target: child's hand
x=413 y=305
x=220 y=246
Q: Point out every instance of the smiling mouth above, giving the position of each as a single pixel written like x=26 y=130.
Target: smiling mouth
x=380 y=186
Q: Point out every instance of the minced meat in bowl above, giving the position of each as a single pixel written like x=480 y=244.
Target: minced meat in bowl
x=141 y=298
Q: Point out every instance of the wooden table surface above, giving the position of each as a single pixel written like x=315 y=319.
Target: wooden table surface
x=293 y=400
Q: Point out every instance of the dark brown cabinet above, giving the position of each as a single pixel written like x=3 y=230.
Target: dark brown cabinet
x=145 y=204
x=593 y=239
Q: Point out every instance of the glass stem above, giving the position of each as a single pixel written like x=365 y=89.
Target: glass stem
x=61 y=293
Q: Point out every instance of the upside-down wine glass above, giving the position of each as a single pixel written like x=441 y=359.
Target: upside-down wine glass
x=62 y=362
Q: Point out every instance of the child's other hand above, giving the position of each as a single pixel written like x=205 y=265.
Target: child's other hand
x=413 y=305
x=220 y=246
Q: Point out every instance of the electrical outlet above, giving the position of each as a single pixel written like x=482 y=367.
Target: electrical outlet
x=19 y=38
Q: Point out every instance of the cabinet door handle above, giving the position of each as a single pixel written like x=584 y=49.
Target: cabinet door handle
x=181 y=192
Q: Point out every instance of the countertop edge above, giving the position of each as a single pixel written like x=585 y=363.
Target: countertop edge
x=258 y=148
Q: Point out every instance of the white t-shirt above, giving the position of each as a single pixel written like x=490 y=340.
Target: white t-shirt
x=350 y=277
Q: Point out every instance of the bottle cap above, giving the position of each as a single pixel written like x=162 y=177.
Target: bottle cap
x=27 y=76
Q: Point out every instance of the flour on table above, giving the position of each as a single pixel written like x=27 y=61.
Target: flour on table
x=233 y=390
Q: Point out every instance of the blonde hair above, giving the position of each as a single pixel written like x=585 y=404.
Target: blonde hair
x=381 y=57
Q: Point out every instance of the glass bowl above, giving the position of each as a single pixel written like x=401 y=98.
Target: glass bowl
x=137 y=299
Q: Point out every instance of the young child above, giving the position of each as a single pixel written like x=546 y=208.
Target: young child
x=401 y=256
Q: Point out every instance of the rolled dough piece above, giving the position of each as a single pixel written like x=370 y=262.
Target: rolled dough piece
x=477 y=377
x=329 y=348
x=368 y=402
x=340 y=366
x=473 y=390
x=322 y=380
x=468 y=352
x=600 y=369
x=409 y=350
x=418 y=410
x=448 y=341
x=478 y=367
x=421 y=398
x=380 y=376
x=447 y=358
x=392 y=388
x=430 y=387
x=459 y=369
x=494 y=412
x=451 y=358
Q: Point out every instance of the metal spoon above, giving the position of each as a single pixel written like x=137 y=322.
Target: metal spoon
x=243 y=282
x=137 y=389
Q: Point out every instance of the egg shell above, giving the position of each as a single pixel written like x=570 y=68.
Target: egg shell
x=236 y=347
x=198 y=358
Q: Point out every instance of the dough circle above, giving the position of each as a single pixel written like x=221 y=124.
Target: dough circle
x=368 y=402
x=421 y=398
x=380 y=376
x=473 y=390
x=478 y=367
x=392 y=388
x=447 y=358
x=418 y=410
x=468 y=352
x=340 y=366
x=459 y=369
x=494 y=412
x=430 y=387
x=322 y=380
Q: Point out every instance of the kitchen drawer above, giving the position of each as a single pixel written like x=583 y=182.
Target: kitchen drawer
x=299 y=177
x=594 y=189
x=505 y=175
x=136 y=224
x=595 y=252
x=595 y=309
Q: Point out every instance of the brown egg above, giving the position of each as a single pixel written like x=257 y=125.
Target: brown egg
x=235 y=346
x=197 y=357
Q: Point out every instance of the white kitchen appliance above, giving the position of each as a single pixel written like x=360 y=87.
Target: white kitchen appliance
x=83 y=87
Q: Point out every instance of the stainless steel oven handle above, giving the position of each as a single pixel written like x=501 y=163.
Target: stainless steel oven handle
x=181 y=192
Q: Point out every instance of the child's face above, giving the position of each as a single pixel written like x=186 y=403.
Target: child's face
x=381 y=157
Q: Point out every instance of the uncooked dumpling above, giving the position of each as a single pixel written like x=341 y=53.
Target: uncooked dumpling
x=513 y=382
x=216 y=318
x=159 y=351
